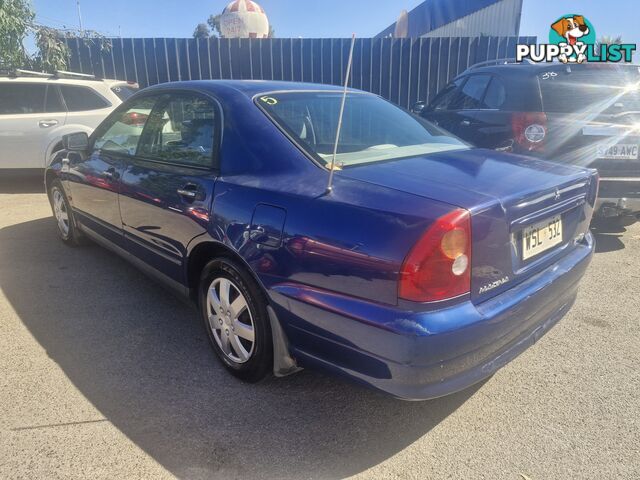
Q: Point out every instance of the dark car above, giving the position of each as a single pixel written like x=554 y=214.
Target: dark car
x=586 y=115
x=425 y=267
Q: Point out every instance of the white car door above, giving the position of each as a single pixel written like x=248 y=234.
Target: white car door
x=28 y=112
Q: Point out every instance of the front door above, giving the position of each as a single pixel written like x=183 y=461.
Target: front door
x=28 y=114
x=167 y=189
x=95 y=181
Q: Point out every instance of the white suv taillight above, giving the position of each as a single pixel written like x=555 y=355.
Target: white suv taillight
x=529 y=130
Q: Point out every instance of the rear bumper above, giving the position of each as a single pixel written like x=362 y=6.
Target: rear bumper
x=422 y=355
x=618 y=196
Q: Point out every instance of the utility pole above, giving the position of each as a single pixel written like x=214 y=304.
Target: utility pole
x=79 y=16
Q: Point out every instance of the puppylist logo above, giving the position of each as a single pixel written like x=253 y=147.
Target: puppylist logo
x=572 y=39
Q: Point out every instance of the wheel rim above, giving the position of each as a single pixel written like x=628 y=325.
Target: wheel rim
x=60 y=211
x=230 y=320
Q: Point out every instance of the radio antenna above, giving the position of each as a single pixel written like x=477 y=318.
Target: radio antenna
x=344 y=99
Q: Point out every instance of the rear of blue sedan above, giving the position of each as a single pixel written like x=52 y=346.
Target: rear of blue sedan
x=424 y=268
x=482 y=252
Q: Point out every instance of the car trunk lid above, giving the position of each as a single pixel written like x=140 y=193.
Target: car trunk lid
x=506 y=195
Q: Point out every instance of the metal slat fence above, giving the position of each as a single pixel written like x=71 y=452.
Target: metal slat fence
x=403 y=70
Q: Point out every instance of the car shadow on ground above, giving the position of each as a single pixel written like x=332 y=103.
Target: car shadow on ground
x=608 y=235
x=141 y=357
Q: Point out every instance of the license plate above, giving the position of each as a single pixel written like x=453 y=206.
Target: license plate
x=541 y=237
x=621 y=151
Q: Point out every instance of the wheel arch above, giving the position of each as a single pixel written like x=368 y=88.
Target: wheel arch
x=204 y=252
x=283 y=363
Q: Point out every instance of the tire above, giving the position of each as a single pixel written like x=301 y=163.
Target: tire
x=237 y=323
x=66 y=225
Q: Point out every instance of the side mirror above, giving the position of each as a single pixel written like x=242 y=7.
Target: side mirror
x=418 y=107
x=76 y=142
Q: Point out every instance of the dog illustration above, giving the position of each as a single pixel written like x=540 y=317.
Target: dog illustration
x=572 y=29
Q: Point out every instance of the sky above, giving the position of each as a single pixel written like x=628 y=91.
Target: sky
x=312 y=18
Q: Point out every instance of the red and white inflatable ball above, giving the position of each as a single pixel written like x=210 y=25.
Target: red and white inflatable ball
x=244 y=19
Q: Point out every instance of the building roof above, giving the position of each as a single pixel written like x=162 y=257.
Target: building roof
x=432 y=14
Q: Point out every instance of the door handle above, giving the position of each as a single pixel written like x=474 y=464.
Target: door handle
x=465 y=123
x=109 y=174
x=47 y=123
x=189 y=192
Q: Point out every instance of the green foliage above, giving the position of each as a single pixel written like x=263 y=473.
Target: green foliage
x=214 y=23
x=16 y=17
x=17 y=22
x=201 y=31
x=609 y=40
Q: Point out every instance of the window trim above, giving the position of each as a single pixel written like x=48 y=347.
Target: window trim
x=159 y=92
x=217 y=135
x=316 y=159
x=469 y=77
x=44 y=100
x=53 y=88
x=506 y=93
x=94 y=91
x=463 y=80
x=106 y=125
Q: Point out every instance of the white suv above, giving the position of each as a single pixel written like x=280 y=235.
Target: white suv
x=37 y=109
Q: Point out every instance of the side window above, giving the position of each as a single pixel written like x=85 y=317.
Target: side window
x=53 y=103
x=181 y=130
x=473 y=91
x=81 y=99
x=22 y=98
x=496 y=94
x=122 y=132
x=446 y=99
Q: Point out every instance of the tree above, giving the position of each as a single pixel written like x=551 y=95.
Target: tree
x=214 y=23
x=201 y=31
x=16 y=17
x=608 y=39
x=17 y=22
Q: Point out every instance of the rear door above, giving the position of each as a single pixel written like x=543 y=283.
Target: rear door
x=442 y=110
x=481 y=119
x=167 y=189
x=85 y=106
x=28 y=113
x=95 y=181
x=469 y=110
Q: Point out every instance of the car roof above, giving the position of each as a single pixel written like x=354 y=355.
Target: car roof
x=249 y=88
x=62 y=81
x=527 y=69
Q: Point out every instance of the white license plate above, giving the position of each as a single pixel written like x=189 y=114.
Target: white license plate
x=620 y=151
x=541 y=237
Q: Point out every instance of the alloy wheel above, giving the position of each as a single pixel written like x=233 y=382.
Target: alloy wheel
x=230 y=320
x=60 y=212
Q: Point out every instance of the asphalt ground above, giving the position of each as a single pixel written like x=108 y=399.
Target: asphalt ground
x=105 y=375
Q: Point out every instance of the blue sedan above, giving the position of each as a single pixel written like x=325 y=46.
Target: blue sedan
x=423 y=267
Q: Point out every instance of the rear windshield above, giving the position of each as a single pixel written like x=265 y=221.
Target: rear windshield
x=591 y=89
x=373 y=129
x=124 y=91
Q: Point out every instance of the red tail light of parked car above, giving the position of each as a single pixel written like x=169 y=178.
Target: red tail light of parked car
x=438 y=266
x=529 y=130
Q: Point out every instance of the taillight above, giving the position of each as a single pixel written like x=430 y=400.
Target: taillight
x=529 y=130
x=438 y=266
